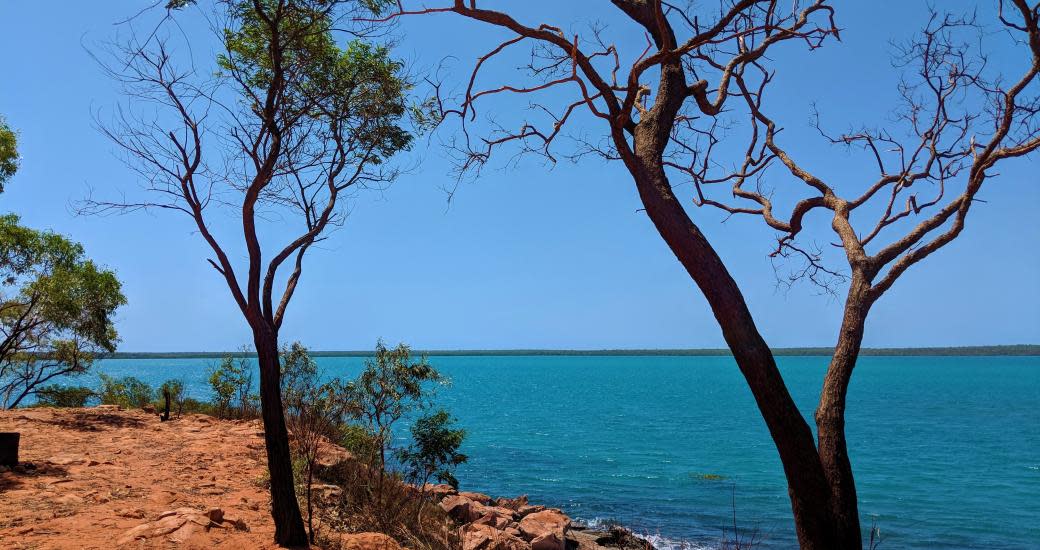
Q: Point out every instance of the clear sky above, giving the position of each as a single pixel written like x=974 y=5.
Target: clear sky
x=526 y=256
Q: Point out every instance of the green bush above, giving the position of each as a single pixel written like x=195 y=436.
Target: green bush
x=176 y=390
x=127 y=392
x=434 y=452
x=64 y=396
x=232 y=383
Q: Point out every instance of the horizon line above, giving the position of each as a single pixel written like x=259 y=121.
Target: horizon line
x=982 y=350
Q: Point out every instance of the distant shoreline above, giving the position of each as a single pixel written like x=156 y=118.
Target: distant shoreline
x=984 y=351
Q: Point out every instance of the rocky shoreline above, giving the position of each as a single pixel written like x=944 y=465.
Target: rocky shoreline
x=514 y=524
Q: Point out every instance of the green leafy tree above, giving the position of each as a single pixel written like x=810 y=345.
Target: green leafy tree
x=283 y=124
x=56 y=309
x=434 y=452
x=391 y=386
x=232 y=384
x=8 y=153
x=175 y=389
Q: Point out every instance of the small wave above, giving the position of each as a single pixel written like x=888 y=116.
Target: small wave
x=665 y=543
x=660 y=542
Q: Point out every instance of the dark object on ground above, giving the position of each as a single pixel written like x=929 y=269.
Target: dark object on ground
x=166 y=409
x=9 y=448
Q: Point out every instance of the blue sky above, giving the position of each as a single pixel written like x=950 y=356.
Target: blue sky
x=527 y=255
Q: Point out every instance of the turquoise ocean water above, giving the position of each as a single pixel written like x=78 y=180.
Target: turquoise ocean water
x=946 y=449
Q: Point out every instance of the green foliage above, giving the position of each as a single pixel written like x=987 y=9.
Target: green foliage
x=355 y=93
x=361 y=442
x=56 y=309
x=391 y=386
x=179 y=4
x=434 y=451
x=127 y=392
x=56 y=395
x=232 y=384
x=8 y=153
x=176 y=390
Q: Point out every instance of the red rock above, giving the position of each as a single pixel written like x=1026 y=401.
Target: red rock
x=476 y=497
x=512 y=503
x=548 y=542
x=484 y=537
x=529 y=509
x=546 y=529
x=439 y=491
x=460 y=508
x=494 y=520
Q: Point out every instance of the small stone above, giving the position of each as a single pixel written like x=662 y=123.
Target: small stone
x=216 y=515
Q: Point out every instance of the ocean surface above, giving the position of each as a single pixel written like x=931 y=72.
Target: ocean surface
x=946 y=449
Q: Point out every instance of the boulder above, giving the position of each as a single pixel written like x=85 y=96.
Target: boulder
x=546 y=529
x=494 y=520
x=476 y=497
x=484 y=537
x=368 y=541
x=550 y=541
x=512 y=503
x=439 y=491
x=529 y=509
x=460 y=508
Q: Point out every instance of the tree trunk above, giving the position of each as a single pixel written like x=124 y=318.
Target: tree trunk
x=807 y=484
x=285 y=509
x=830 y=415
x=166 y=410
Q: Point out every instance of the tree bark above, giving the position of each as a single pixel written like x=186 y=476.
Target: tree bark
x=289 y=530
x=166 y=410
x=807 y=484
x=830 y=414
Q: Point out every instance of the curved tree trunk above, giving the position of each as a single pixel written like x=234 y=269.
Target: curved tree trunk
x=285 y=509
x=807 y=484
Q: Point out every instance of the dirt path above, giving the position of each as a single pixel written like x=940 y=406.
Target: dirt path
x=101 y=472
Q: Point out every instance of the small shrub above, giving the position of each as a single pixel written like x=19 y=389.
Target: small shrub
x=127 y=392
x=434 y=452
x=176 y=390
x=232 y=384
x=64 y=396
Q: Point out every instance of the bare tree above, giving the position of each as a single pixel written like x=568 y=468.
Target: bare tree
x=278 y=128
x=662 y=112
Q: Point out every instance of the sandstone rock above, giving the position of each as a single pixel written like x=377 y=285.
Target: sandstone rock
x=150 y=409
x=368 y=541
x=216 y=515
x=439 y=491
x=460 y=508
x=235 y=523
x=529 y=509
x=185 y=531
x=476 y=497
x=494 y=520
x=546 y=529
x=550 y=541
x=512 y=503
x=484 y=537
x=131 y=514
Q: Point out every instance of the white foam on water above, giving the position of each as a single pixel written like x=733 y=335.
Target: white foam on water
x=659 y=541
